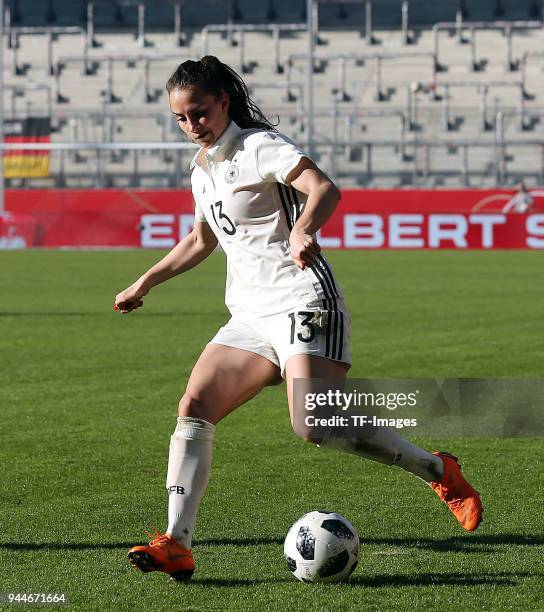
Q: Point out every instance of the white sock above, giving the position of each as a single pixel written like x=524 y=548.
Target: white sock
x=189 y=465
x=387 y=446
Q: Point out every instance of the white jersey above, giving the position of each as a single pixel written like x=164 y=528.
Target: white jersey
x=240 y=191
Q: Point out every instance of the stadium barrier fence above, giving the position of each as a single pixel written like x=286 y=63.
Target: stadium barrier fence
x=107 y=164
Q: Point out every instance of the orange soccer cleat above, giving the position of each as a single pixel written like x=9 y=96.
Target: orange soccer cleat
x=455 y=491
x=163 y=554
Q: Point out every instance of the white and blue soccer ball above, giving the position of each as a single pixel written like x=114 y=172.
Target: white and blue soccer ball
x=322 y=546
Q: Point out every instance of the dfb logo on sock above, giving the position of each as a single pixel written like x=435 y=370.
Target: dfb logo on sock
x=176 y=489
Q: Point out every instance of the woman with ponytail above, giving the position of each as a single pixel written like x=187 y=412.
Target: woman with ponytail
x=263 y=200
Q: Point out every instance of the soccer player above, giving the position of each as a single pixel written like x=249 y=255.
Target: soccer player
x=521 y=203
x=263 y=201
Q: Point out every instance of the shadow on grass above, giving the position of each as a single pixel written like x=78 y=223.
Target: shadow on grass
x=461 y=543
x=472 y=579
x=388 y=580
x=238 y=582
x=467 y=543
x=35 y=546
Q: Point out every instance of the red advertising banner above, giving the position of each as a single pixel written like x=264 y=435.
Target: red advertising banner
x=364 y=219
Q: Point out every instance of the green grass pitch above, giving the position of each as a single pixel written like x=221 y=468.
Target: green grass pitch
x=89 y=401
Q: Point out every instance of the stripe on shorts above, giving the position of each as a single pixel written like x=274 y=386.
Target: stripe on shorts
x=285 y=206
x=296 y=203
x=322 y=262
x=290 y=205
x=328 y=336
x=341 y=341
x=334 y=335
x=321 y=269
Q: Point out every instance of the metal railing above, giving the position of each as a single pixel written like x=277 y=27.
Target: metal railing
x=108 y=121
x=88 y=66
x=368 y=32
x=141 y=28
x=102 y=154
x=50 y=34
x=341 y=58
x=89 y=19
x=298 y=99
x=230 y=30
x=16 y=91
x=459 y=26
x=441 y=92
x=101 y=167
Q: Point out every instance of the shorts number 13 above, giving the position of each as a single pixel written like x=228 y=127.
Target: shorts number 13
x=306 y=322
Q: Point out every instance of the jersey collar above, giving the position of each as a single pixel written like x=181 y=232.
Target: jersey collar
x=227 y=137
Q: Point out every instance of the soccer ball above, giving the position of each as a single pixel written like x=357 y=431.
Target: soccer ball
x=322 y=546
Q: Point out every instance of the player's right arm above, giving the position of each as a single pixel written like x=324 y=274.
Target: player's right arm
x=187 y=254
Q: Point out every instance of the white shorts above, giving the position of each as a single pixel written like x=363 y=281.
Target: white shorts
x=309 y=330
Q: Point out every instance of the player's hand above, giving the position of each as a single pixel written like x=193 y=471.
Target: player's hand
x=304 y=248
x=130 y=299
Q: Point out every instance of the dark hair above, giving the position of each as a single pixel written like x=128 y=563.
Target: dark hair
x=216 y=78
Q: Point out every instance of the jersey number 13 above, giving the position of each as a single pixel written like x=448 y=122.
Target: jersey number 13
x=226 y=224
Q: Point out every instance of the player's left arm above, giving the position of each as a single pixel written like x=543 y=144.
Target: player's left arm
x=323 y=197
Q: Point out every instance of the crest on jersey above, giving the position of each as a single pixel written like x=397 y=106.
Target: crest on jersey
x=232 y=173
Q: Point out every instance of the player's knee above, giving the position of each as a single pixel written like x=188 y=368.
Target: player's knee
x=193 y=405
